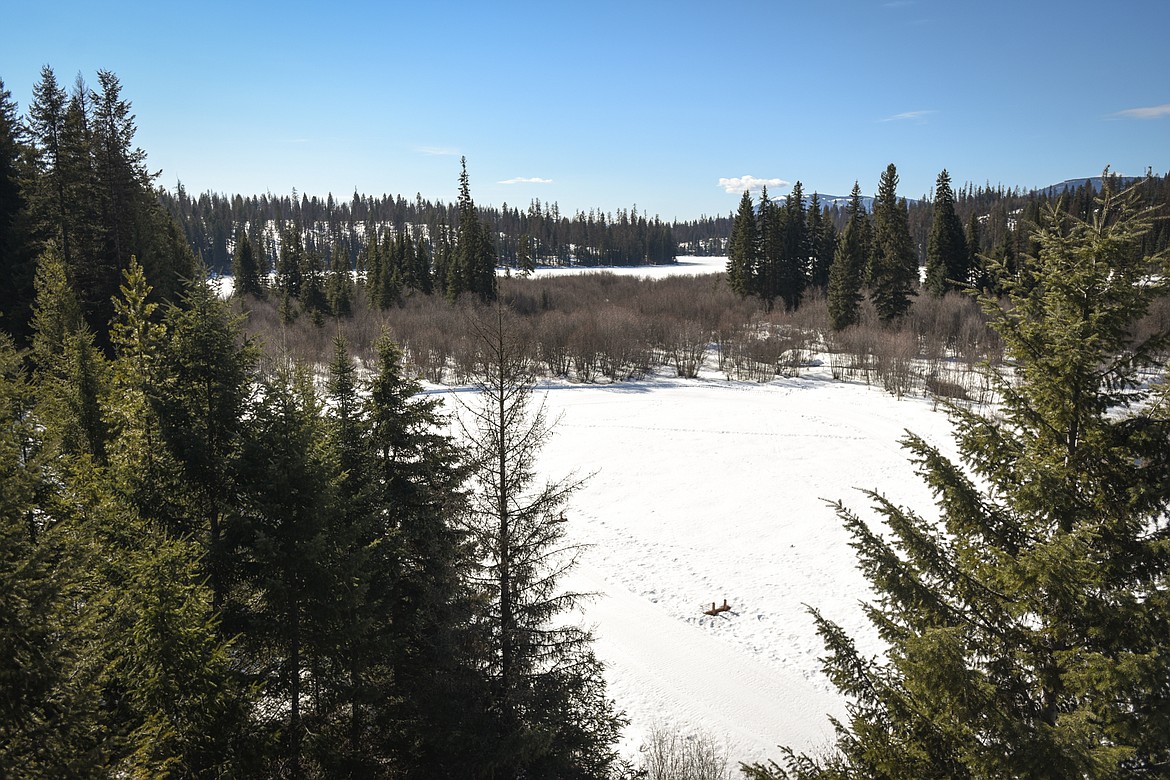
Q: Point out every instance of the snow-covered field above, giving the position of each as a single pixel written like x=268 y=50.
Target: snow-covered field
x=683 y=265
x=704 y=490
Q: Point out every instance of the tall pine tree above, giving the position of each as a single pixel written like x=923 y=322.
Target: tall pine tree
x=893 y=271
x=847 y=272
x=946 y=249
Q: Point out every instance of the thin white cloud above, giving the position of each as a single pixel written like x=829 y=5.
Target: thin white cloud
x=1146 y=112
x=440 y=151
x=905 y=115
x=741 y=184
x=526 y=180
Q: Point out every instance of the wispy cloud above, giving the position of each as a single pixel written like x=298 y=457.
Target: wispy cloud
x=438 y=151
x=526 y=180
x=741 y=184
x=1146 y=112
x=906 y=115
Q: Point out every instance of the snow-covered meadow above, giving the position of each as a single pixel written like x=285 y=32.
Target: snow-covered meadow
x=704 y=490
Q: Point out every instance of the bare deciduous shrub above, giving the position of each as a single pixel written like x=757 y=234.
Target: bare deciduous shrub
x=624 y=327
x=670 y=755
x=553 y=334
x=583 y=347
x=622 y=345
x=894 y=353
x=683 y=343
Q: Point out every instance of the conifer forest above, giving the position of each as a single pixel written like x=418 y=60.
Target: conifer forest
x=237 y=539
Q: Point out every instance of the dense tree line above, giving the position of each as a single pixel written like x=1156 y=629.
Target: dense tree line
x=964 y=241
x=521 y=237
x=213 y=563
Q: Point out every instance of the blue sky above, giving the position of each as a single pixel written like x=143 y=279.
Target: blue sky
x=671 y=106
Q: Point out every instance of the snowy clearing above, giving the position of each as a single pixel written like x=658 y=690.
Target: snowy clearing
x=704 y=490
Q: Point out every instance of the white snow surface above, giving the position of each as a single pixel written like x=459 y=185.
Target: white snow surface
x=703 y=490
x=683 y=265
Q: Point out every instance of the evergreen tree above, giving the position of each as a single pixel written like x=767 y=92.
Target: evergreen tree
x=769 y=274
x=204 y=407
x=290 y=264
x=285 y=606
x=822 y=239
x=848 y=268
x=743 y=248
x=537 y=667
x=17 y=259
x=339 y=283
x=422 y=269
x=792 y=264
x=981 y=277
x=70 y=372
x=245 y=269
x=893 y=263
x=946 y=250
x=388 y=289
x=46 y=705
x=1029 y=627
x=416 y=475
x=474 y=262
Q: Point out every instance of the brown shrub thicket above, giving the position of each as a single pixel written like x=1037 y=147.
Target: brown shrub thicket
x=608 y=328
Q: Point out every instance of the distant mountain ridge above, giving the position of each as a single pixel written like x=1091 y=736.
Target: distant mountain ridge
x=1072 y=184
x=1050 y=191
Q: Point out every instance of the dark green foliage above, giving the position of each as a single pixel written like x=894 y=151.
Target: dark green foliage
x=893 y=270
x=290 y=265
x=89 y=192
x=1029 y=626
x=848 y=268
x=822 y=237
x=947 y=260
x=209 y=371
x=473 y=266
x=792 y=264
x=743 y=249
x=17 y=256
x=245 y=269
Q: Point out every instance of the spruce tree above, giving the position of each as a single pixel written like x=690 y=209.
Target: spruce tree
x=474 y=261
x=284 y=607
x=822 y=239
x=946 y=249
x=893 y=271
x=1029 y=625
x=17 y=258
x=848 y=268
x=204 y=407
x=425 y=605
x=339 y=282
x=245 y=269
x=792 y=266
x=771 y=226
x=538 y=667
x=743 y=248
